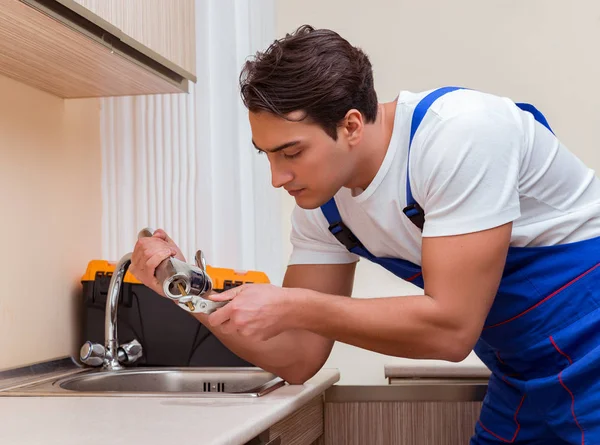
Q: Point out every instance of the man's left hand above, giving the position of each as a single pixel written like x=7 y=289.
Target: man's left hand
x=255 y=310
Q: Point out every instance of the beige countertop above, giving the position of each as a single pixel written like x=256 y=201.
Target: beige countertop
x=149 y=420
x=471 y=367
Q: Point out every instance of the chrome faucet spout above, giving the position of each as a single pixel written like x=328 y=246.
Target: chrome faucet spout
x=112 y=354
x=111 y=339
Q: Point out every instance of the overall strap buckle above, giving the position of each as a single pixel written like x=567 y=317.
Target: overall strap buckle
x=416 y=214
x=344 y=235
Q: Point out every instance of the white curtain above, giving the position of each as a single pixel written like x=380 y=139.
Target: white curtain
x=185 y=162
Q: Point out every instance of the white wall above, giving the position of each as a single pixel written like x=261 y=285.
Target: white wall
x=538 y=51
x=50 y=219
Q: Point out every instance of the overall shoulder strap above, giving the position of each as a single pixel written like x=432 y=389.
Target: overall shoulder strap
x=413 y=210
x=536 y=114
x=399 y=267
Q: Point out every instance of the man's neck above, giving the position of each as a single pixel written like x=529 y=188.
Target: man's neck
x=374 y=146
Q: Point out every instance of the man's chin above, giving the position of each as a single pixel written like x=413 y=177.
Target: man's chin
x=310 y=202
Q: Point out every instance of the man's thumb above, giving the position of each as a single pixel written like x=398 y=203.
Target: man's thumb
x=225 y=295
x=160 y=233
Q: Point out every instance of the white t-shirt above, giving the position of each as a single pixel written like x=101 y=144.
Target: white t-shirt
x=476 y=162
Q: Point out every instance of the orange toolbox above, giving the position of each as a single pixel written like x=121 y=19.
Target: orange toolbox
x=169 y=335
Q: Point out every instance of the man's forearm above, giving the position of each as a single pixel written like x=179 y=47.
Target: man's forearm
x=411 y=326
x=294 y=355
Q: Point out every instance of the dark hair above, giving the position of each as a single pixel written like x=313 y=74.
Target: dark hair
x=314 y=71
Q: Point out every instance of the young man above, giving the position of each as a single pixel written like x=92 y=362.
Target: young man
x=466 y=194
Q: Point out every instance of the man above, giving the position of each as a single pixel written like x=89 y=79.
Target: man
x=466 y=194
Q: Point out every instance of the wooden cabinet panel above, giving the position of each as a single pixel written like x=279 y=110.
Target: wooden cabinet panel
x=303 y=427
x=400 y=423
x=165 y=26
x=47 y=51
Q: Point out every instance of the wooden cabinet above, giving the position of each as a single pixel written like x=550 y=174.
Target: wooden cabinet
x=409 y=412
x=67 y=50
x=164 y=26
x=400 y=423
x=304 y=427
x=414 y=413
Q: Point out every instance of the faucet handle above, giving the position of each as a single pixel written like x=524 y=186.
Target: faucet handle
x=130 y=352
x=92 y=354
x=200 y=260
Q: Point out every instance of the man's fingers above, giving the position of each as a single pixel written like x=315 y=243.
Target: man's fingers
x=157 y=257
x=222 y=296
x=228 y=328
x=220 y=316
x=160 y=233
x=227 y=295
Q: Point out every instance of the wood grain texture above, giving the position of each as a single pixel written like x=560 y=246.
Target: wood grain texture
x=303 y=427
x=400 y=423
x=38 y=50
x=164 y=26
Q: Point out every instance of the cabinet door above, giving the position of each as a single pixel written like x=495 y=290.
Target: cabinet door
x=400 y=423
x=167 y=27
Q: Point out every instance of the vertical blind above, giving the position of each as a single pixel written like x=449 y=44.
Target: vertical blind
x=185 y=162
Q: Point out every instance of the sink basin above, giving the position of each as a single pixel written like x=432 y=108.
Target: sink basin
x=172 y=382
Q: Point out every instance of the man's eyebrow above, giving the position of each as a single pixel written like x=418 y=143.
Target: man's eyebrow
x=276 y=149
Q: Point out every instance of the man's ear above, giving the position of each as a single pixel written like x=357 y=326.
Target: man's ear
x=353 y=126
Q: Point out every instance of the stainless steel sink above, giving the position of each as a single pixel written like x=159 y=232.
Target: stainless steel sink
x=221 y=381
x=155 y=382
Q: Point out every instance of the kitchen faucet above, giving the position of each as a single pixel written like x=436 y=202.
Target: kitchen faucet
x=111 y=356
x=181 y=282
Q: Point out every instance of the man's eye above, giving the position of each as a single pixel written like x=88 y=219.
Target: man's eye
x=260 y=152
x=292 y=156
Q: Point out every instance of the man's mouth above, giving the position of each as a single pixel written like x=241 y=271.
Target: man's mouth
x=295 y=192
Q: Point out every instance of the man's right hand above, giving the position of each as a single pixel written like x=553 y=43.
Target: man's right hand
x=148 y=254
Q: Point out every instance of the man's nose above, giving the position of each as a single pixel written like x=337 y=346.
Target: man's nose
x=279 y=176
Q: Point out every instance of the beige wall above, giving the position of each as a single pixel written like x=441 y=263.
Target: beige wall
x=539 y=51
x=50 y=219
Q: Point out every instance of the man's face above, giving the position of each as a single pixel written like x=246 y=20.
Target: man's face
x=304 y=160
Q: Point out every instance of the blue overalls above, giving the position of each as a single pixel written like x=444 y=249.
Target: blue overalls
x=541 y=339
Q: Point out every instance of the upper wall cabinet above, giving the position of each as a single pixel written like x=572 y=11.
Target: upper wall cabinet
x=99 y=48
x=164 y=26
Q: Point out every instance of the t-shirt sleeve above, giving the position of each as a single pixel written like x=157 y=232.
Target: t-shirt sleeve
x=313 y=243
x=466 y=173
